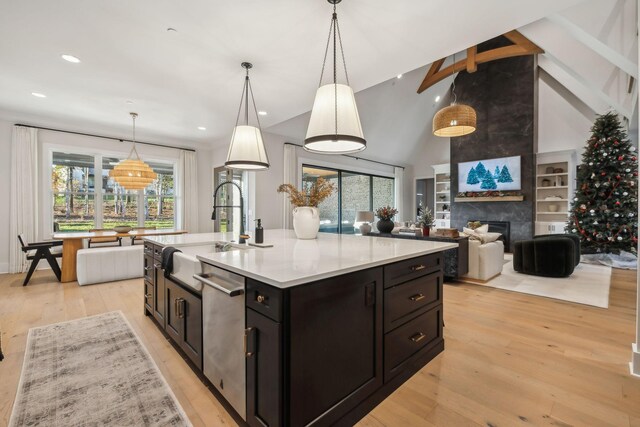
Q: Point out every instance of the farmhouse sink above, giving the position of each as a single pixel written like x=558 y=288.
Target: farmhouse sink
x=185 y=263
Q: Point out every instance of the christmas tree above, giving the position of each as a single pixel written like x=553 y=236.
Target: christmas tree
x=604 y=208
x=472 y=178
x=488 y=183
x=481 y=171
x=496 y=174
x=505 y=175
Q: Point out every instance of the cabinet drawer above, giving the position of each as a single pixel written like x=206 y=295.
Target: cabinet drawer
x=157 y=252
x=407 y=299
x=264 y=299
x=148 y=249
x=406 y=340
x=149 y=273
x=413 y=268
x=148 y=296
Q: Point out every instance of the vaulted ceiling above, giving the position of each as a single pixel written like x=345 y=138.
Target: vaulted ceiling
x=180 y=80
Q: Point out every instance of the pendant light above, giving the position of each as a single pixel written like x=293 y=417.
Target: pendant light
x=246 y=150
x=133 y=174
x=456 y=119
x=334 y=127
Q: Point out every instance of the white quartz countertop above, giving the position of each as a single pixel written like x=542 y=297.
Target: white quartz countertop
x=292 y=262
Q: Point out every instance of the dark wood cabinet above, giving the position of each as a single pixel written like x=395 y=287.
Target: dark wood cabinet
x=159 y=301
x=265 y=403
x=148 y=296
x=184 y=320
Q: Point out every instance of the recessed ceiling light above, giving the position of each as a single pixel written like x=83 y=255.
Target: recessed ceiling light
x=202 y=128
x=71 y=58
x=262 y=113
x=437 y=98
x=399 y=76
x=38 y=95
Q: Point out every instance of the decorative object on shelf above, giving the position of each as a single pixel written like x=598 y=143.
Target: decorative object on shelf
x=445 y=207
x=246 y=150
x=426 y=220
x=442 y=196
x=456 y=119
x=553 y=208
x=558 y=170
x=366 y=218
x=133 y=174
x=306 y=216
x=552 y=198
x=546 y=183
x=122 y=229
x=334 y=126
x=549 y=170
x=604 y=209
x=490 y=196
x=385 y=213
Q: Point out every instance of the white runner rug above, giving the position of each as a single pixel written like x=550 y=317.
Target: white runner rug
x=589 y=284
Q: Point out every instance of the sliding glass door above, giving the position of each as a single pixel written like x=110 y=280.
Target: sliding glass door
x=354 y=192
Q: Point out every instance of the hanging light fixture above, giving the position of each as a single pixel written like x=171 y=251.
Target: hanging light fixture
x=456 y=119
x=334 y=127
x=246 y=150
x=133 y=174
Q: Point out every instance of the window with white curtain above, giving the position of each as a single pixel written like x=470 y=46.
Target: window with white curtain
x=80 y=202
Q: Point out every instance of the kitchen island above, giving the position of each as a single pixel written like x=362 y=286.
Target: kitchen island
x=307 y=332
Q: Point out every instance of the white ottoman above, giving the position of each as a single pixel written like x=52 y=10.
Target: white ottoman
x=101 y=265
x=485 y=260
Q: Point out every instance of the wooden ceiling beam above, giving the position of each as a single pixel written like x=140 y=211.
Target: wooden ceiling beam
x=521 y=46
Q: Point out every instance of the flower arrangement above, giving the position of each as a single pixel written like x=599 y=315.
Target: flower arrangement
x=425 y=218
x=312 y=195
x=386 y=212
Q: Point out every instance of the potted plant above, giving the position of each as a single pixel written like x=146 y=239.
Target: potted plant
x=306 y=216
x=385 y=213
x=426 y=220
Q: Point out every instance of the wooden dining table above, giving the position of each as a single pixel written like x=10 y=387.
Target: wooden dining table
x=72 y=243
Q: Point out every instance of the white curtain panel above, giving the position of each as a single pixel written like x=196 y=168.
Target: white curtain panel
x=23 y=218
x=399 y=192
x=188 y=186
x=290 y=177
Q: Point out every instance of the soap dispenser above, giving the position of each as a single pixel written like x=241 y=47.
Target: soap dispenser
x=259 y=234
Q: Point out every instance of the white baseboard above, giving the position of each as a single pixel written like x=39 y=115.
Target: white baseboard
x=634 y=365
x=4 y=267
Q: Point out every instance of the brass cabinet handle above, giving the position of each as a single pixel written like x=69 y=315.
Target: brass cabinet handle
x=181 y=307
x=261 y=299
x=417 y=297
x=418 y=267
x=175 y=307
x=418 y=337
x=246 y=345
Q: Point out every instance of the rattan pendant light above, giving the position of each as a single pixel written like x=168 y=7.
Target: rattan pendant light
x=334 y=127
x=456 y=119
x=133 y=173
x=246 y=150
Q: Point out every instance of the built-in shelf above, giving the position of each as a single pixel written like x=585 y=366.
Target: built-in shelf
x=551 y=201
x=553 y=213
x=553 y=174
x=490 y=199
x=554 y=187
x=442 y=181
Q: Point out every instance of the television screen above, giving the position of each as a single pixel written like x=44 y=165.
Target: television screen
x=490 y=175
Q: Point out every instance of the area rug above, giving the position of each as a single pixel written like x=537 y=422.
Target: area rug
x=589 y=284
x=92 y=372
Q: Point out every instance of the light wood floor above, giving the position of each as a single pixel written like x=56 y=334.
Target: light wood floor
x=510 y=359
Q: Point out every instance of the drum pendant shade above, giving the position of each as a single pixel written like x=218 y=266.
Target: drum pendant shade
x=133 y=174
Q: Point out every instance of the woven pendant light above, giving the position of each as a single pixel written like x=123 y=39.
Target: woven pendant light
x=246 y=150
x=334 y=127
x=456 y=119
x=133 y=174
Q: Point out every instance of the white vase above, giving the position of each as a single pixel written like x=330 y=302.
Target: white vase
x=306 y=222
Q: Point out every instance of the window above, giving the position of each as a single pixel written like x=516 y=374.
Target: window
x=73 y=190
x=355 y=192
x=81 y=203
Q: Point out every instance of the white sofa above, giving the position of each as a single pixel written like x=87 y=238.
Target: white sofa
x=99 y=265
x=485 y=260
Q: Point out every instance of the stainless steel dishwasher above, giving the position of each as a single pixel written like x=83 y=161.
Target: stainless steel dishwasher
x=223 y=313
